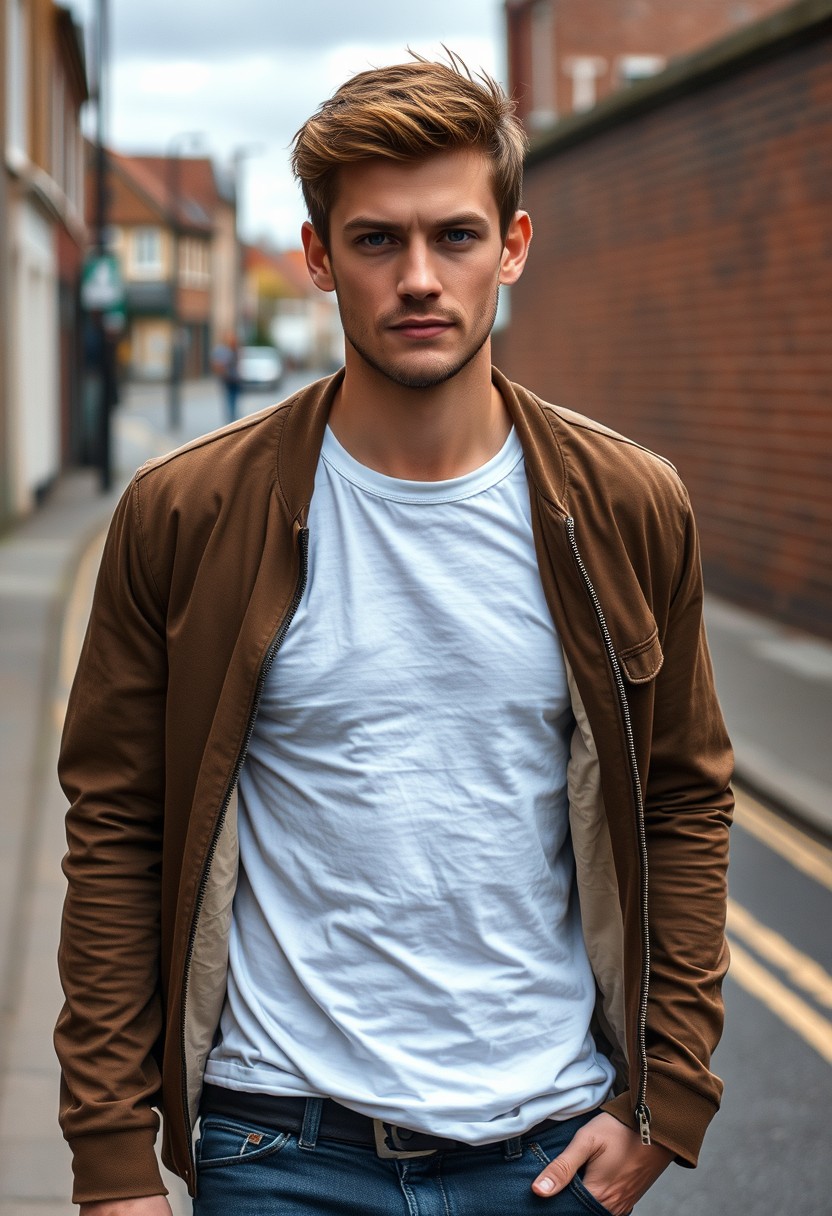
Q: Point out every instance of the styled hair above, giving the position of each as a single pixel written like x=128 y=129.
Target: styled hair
x=406 y=113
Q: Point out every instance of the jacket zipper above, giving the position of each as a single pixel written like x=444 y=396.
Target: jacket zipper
x=642 y=1111
x=276 y=643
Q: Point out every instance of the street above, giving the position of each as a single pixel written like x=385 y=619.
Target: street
x=768 y=1151
x=141 y=424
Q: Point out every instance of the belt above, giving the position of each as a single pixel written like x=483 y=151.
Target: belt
x=338 y=1122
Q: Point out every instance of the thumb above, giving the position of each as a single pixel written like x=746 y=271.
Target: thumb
x=563 y=1168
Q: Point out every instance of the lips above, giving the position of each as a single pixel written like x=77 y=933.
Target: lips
x=422 y=328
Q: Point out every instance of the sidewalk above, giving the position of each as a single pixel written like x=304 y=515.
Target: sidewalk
x=776 y=688
x=775 y=685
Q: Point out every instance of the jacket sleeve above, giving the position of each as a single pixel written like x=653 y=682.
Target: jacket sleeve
x=688 y=805
x=112 y=771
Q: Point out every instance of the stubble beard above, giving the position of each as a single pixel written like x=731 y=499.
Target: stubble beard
x=440 y=374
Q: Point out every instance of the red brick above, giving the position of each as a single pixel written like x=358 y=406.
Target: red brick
x=678 y=290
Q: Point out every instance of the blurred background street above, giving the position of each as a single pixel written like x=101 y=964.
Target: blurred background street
x=680 y=182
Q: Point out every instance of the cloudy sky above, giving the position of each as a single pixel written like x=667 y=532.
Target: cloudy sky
x=246 y=75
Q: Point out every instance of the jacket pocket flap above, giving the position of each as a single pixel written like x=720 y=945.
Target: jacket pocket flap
x=643 y=662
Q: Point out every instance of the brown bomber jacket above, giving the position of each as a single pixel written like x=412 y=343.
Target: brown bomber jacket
x=204 y=562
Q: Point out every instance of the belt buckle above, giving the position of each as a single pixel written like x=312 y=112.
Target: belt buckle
x=385 y=1135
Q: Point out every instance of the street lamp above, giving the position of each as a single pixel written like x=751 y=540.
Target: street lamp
x=174 y=167
x=237 y=157
x=104 y=340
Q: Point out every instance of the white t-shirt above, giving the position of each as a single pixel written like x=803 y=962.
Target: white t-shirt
x=406 y=935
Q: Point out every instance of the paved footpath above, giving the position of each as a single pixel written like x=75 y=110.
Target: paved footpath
x=776 y=686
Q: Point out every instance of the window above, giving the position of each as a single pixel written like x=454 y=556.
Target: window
x=633 y=68
x=17 y=79
x=544 y=103
x=59 y=103
x=147 y=253
x=584 y=70
x=194 y=261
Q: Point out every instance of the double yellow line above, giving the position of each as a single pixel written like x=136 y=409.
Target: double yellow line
x=803 y=972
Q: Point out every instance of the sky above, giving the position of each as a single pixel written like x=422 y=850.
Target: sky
x=245 y=75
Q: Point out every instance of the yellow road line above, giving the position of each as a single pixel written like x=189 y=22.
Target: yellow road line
x=800 y=968
x=805 y=854
x=812 y=1027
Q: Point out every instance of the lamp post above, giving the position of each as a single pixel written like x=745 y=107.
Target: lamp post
x=238 y=156
x=103 y=339
x=174 y=167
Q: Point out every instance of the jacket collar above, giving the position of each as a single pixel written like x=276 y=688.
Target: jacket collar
x=536 y=425
x=300 y=443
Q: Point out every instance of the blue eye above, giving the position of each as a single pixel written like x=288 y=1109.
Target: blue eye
x=457 y=236
x=375 y=239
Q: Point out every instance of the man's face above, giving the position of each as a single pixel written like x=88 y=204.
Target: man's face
x=415 y=259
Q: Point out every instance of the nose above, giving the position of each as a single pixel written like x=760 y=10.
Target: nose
x=418 y=278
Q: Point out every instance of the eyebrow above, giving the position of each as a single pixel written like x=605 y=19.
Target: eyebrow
x=467 y=219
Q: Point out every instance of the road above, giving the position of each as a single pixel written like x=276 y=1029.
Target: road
x=141 y=426
x=767 y=1153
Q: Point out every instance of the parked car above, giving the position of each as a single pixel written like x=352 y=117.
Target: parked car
x=259 y=367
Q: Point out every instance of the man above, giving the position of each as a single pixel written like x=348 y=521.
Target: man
x=225 y=363
x=399 y=809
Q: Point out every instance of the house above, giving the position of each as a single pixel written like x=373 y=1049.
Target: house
x=204 y=189
x=41 y=249
x=281 y=305
x=163 y=235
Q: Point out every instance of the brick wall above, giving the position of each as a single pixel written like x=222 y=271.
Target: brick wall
x=679 y=290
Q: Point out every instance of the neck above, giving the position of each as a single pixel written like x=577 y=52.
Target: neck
x=431 y=434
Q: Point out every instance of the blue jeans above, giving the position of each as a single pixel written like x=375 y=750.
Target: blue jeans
x=252 y=1170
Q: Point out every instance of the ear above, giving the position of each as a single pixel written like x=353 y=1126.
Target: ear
x=317 y=259
x=515 y=248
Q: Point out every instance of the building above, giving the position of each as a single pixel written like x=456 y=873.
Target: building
x=40 y=403
x=203 y=189
x=564 y=55
x=166 y=219
x=678 y=291
x=282 y=306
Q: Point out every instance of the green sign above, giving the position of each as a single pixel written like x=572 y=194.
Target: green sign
x=102 y=287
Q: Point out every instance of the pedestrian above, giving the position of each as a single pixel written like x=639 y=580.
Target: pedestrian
x=225 y=361
x=399 y=788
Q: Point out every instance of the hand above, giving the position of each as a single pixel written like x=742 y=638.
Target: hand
x=148 y=1205
x=619 y=1168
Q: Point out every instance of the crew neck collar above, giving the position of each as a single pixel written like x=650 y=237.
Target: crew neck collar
x=398 y=489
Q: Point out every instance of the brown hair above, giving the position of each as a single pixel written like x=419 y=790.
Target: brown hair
x=407 y=112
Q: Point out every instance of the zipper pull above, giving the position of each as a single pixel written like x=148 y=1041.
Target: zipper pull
x=643 y=1116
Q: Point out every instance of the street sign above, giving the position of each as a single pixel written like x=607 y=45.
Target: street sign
x=102 y=287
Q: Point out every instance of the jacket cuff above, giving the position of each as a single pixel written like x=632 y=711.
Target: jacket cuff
x=116 y=1165
x=679 y=1117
